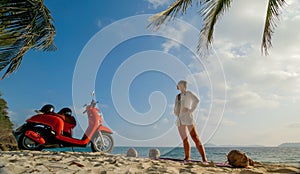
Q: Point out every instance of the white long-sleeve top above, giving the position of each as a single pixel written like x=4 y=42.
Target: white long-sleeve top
x=189 y=101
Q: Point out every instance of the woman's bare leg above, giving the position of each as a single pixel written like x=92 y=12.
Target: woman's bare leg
x=186 y=144
x=196 y=139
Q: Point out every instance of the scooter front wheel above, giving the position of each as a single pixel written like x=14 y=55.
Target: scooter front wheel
x=102 y=142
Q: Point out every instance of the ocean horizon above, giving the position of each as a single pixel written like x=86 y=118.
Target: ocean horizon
x=268 y=155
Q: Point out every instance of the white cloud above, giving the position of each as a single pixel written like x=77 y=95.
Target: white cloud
x=292 y=11
x=165 y=120
x=175 y=31
x=100 y=23
x=104 y=21
x=11 y=113
x=241 y=97
x=167 y=46
x=224 y=122
x=228 y=122
x=154 y=4
x=294 y=125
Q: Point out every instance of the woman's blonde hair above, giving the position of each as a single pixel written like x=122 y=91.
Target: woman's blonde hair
x=183 y=83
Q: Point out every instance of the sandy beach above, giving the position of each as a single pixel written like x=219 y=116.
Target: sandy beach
x=17 y=162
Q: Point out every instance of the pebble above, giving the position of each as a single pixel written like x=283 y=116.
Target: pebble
x=132 y=152
x=154 y=153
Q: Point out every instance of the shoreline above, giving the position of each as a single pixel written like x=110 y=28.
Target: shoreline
x=15 y=162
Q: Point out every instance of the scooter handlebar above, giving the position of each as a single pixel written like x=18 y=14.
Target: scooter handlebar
x=93 y=104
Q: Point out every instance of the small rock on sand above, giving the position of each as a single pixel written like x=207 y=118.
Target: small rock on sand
x=154 y=153
x=132 y=152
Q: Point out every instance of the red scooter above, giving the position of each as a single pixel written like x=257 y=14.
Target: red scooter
x=54 y=130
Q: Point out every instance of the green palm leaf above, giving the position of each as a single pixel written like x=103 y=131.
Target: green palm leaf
x=211 y=11
x=24 y=24
x=272 y=17
x=171 y=12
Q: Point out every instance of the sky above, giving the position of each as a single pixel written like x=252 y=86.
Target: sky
x=246 y=98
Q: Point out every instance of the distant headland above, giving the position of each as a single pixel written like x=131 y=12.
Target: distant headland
x=289 y=145
x=293 y=144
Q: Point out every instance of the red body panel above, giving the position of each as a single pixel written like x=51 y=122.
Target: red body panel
x=68 y=127
x=55 y=122
x=35 y=137
x=105 y=129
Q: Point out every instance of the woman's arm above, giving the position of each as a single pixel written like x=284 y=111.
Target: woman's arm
x=176 y=107
x=195 y=102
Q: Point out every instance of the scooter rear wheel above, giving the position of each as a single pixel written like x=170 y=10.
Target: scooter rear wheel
x=106 y=146
x=25 y=143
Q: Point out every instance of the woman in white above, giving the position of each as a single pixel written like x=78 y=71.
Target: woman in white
x=185 y=104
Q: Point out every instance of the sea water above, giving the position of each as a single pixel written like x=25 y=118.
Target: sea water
x=278 y=155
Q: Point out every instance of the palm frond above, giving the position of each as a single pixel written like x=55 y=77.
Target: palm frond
x=24 y=24
x=171 y=12
x=272 y=18
x=211 y=11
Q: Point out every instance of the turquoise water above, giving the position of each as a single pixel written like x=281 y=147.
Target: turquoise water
x=282 y=155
